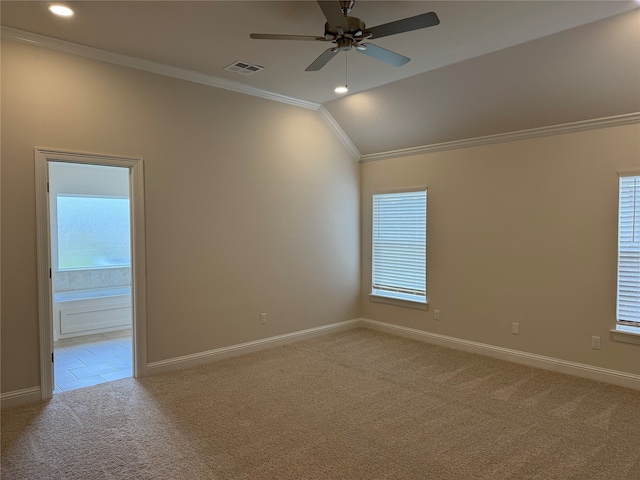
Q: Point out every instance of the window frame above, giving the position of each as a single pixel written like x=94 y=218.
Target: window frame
x=624 y=330
x=387 y=296
x=56 y=226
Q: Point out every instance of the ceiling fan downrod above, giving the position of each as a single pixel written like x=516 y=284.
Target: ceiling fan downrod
x=346 y=6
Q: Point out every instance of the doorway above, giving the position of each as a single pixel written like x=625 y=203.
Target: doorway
x=90 y=269
x=89 y=213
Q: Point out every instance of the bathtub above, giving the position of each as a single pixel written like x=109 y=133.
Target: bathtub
x=84 y=312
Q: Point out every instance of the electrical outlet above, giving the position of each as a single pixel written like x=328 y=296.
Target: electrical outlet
x=595 y=343
x=515 y=328
x=436 y=314
x=263 y=318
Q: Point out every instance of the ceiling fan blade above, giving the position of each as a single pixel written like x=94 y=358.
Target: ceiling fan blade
x=269 y=36
x=387 y=56
x=321 y=61
x=333 y=12
x=405 y=25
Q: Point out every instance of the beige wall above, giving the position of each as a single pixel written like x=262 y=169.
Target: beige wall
x=252 y=206
x=518 y=232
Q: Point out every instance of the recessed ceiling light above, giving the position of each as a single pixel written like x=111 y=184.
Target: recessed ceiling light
x=61 y=10
x=342 y=89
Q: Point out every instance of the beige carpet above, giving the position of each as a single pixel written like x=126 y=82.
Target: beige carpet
x=355 y=405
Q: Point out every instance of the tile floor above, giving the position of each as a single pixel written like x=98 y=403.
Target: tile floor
x=92 y=359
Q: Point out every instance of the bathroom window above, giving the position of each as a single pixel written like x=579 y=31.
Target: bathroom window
x=93 y=231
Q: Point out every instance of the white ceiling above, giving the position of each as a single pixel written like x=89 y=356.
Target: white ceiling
x=206 y=36
x=490 y=67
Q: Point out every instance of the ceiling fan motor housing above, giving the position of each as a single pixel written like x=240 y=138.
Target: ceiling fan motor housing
x=356 y=29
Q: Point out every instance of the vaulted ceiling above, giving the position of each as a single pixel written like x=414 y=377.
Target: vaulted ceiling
x=490 y=66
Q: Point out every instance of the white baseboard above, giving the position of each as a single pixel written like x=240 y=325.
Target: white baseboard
x=203 y=358
x=615 y=377
x=20 y=397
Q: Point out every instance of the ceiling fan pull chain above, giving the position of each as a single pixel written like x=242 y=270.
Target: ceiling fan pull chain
x=346 y=70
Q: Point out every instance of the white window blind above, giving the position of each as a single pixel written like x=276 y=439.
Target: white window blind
x=628 y=305
x=400 y=245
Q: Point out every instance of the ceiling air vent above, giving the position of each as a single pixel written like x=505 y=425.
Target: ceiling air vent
x=244 y=68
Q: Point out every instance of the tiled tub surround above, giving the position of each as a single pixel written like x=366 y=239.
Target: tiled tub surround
x=91 y=278
x=92 y=359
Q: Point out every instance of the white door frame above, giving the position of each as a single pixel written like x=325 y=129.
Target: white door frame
x=138 y=276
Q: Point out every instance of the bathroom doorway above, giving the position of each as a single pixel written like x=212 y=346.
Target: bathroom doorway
x=89 y=213
x=91 y=263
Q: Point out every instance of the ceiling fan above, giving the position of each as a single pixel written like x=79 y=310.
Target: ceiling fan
x=347 y=32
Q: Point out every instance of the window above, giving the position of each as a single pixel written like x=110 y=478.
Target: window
x=399 y=243
x=628 y=305
x=93 y=232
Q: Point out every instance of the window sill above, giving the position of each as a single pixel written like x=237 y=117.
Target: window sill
x=626 y=336
x=398 y=302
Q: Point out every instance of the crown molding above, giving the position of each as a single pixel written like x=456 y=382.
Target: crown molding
x=615 y=121
x=181 y=73
x=153 y=67
x=217 y=82
x=340 y=133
